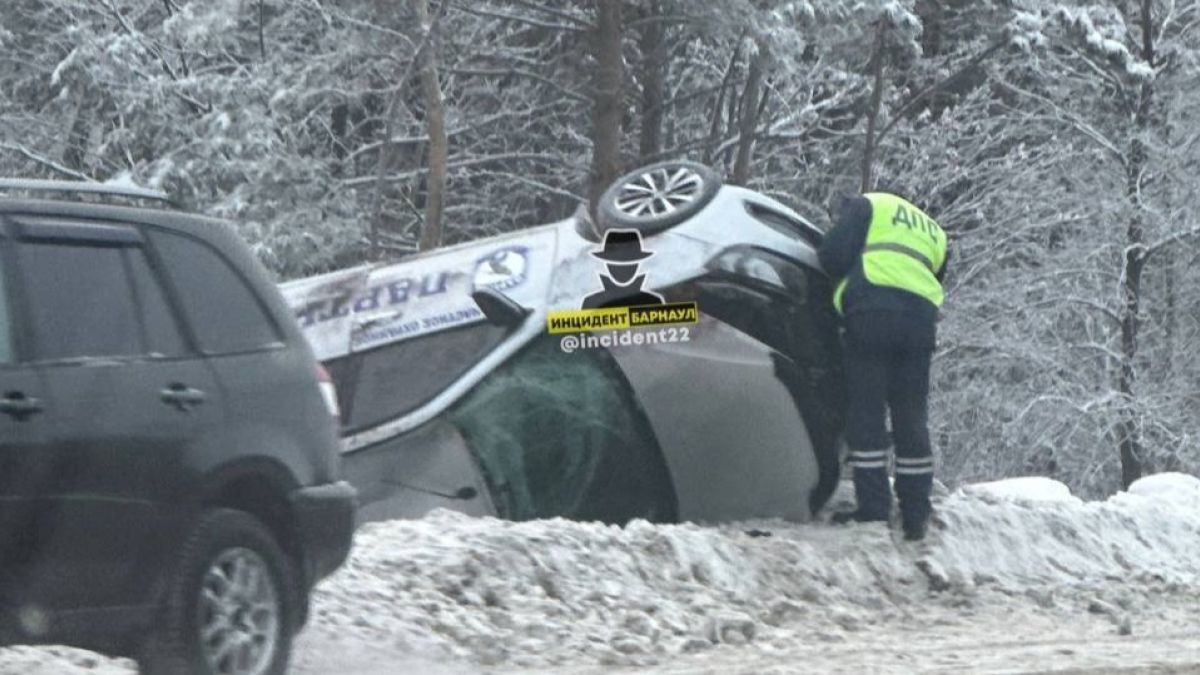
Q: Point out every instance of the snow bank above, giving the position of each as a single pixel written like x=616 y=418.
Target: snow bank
x=60 y=661
x=1173 y=487
x=557 y=592
x=1026 y=531
x=1031 y=489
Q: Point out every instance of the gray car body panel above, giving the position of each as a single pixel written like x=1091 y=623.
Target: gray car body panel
x=726 y=464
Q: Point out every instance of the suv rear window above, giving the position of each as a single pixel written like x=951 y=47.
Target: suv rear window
x=224 y=313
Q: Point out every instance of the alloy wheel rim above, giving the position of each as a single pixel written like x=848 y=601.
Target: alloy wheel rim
x=659 y=192
x=239 y=614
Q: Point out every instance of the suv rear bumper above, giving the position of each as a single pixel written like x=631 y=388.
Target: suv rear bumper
x=325 y=525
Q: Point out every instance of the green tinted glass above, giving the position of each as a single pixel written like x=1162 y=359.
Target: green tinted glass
x=560 y=435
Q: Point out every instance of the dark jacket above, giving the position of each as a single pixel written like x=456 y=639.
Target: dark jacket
x=841 y=256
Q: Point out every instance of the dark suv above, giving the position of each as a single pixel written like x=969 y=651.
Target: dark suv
x=168 y=458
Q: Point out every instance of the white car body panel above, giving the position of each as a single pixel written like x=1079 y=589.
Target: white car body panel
x=723 y=466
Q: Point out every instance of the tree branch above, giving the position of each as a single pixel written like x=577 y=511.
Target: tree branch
x=504 y=16
x=565 y=16
x=934 y=88
x=452 y=164
x=46 y=162
x=500 y=72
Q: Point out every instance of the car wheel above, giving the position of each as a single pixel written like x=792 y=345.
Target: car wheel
x=229 y=607
x=658 y=196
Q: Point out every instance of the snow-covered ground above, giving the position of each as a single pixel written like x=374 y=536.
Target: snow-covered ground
x=1017 y=576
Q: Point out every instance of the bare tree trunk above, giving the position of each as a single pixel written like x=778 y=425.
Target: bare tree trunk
x=654 y=53
x=732 y=116
x=607 y=98
x=932 y=14
x=435 y=121
x=1129 y=438
x=1129 y=432
x=387 y=151
x=262 y=38
x=877 y=68
x=751 y=106
x=714 y=132
x=1171 y=327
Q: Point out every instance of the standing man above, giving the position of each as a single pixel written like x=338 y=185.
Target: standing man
x=890 y=258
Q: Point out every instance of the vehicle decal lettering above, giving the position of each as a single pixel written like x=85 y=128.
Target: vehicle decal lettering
x=364 y=307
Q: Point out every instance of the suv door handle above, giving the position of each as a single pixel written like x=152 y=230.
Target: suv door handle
x=19 y=406
x=182 y=396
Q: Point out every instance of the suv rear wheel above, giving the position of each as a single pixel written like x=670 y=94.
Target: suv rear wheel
x=656 y=197
x=229 y=606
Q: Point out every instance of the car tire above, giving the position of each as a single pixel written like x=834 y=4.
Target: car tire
x=232 y=578
x=656 y=197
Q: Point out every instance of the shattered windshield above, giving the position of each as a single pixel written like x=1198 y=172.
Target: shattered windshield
x=557 y=435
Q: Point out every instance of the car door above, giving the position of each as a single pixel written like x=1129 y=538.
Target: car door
x=735 y=407
x=267 y=386
x=24 y=426
x=128 y=396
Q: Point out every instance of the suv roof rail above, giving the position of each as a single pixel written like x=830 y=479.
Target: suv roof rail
x=83 y=187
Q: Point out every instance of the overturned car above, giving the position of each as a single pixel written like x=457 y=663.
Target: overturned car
x=676 y=361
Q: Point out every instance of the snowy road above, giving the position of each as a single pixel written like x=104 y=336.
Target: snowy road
x=1017 y=577
x=998 y=639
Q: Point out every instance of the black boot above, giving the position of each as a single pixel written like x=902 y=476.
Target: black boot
x=915 y=530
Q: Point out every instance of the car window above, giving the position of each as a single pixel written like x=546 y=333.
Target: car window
x=81 y=301
x=160 y=331
x=560 y=434
x=224 y=313
x=785 y=224
x=389 y=381
x=765 y=269
x=799 y=323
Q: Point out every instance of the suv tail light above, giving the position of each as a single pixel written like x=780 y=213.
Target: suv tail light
x=328 y=391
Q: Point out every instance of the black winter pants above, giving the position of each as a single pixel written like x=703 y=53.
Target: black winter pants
x=887 y=369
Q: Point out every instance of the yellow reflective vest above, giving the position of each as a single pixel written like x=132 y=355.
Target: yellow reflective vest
x=904 y=249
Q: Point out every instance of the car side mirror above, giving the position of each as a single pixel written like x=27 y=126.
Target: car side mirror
x=499 y=309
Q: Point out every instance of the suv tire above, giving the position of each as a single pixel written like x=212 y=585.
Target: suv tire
x=205 y=594
x=656 y=197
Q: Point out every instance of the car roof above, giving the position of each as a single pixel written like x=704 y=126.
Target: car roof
x=215 y=232
x=196 y=225
x=121 y=189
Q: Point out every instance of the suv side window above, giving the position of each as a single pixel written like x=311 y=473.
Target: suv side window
x=6 y=345
x=159 y=329
x=224 y=313
x=84 y=302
